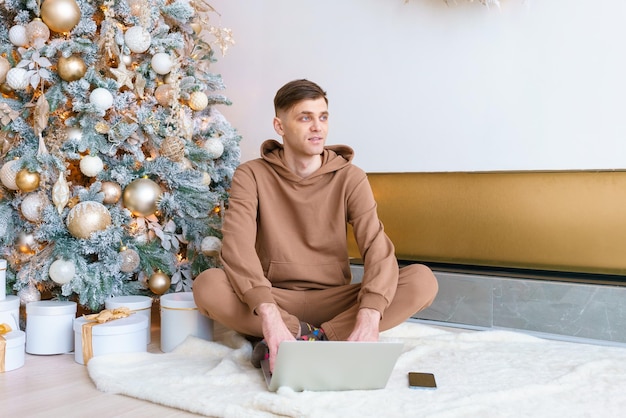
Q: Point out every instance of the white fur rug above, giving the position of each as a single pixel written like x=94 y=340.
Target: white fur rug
x=479 y=374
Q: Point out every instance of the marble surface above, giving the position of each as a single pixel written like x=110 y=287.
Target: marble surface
x=571 y=310
x=562 y=310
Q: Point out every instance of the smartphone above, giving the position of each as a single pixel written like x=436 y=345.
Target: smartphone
x=422 y=380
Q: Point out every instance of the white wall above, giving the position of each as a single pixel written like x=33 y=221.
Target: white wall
x=421 y=86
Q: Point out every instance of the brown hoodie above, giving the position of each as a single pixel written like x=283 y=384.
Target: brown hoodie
x=289 y=232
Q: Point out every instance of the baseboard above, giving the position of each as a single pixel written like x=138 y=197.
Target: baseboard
x=588 y=313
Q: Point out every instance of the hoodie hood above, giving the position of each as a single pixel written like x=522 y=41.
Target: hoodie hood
x=334 y=157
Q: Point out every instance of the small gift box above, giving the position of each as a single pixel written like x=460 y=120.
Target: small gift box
x=11 y=348
x=49 y=327
x=140 y=305
x=180 y=318
x=123 y=335
x=10 y=311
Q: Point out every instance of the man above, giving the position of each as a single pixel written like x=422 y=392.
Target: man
x=286 y=271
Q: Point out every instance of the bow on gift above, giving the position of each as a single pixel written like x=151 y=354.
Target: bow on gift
x=96 y=319
x=4 y=329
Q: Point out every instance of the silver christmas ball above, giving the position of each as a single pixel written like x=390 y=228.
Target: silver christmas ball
x=129 y=260
x=32 y=205
x=29 y=294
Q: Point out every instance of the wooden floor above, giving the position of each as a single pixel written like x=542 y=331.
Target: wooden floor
x=57 y=386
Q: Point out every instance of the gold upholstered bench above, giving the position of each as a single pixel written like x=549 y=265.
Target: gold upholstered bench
x=561 y=221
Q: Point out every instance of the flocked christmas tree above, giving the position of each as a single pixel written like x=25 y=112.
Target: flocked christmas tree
x=115 y=161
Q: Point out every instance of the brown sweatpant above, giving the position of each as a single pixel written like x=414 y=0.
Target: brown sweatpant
x=335 y=309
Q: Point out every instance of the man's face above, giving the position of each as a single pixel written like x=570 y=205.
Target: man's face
x=304 y=127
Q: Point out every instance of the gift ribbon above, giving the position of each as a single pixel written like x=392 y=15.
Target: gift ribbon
x=4 y=329
x=97 y=319
x=178 y=309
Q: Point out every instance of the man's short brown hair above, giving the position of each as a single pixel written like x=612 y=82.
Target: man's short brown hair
x=296 y=91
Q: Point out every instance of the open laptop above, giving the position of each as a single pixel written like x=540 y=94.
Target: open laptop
x=332 y=365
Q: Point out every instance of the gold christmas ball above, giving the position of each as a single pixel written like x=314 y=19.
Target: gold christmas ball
x=197 y=27
x=27 y=181
x=173 y=148
x=60 y=15
x=141 y=197
x=5 y=89
x=164 y=94
x=211 y=246
x=37 y=31
x=112 y=192
x=72 y=68
x=5 y=66
x=86 y=218
x=26 y=243
x=198 y=100
x=159 y=283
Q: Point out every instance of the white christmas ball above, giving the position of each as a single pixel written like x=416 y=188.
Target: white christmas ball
x=215 y=147
x=161 y=63
x=137 y=39
x=8 y=172
x=211 y=246
x=187 y=165
x=62 y=271
x=101 y=98
x=74 y=134
x=17 y=78
x=198 y=100
x=91 y=165
x=28 y=294
x=32 y=206
x=17 y=35
x=206 y=178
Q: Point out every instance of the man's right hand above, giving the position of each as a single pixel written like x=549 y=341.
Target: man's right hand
x=274 y=329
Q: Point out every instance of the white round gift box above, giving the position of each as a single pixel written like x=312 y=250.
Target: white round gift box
x=180 y=318
x=10 y=311
x=49 y=327
x=141 y=305
x=124 y=335
x=14 y=350
x=3 y=279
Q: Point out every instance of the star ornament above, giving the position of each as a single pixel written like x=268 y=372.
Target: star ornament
x=123 y=75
